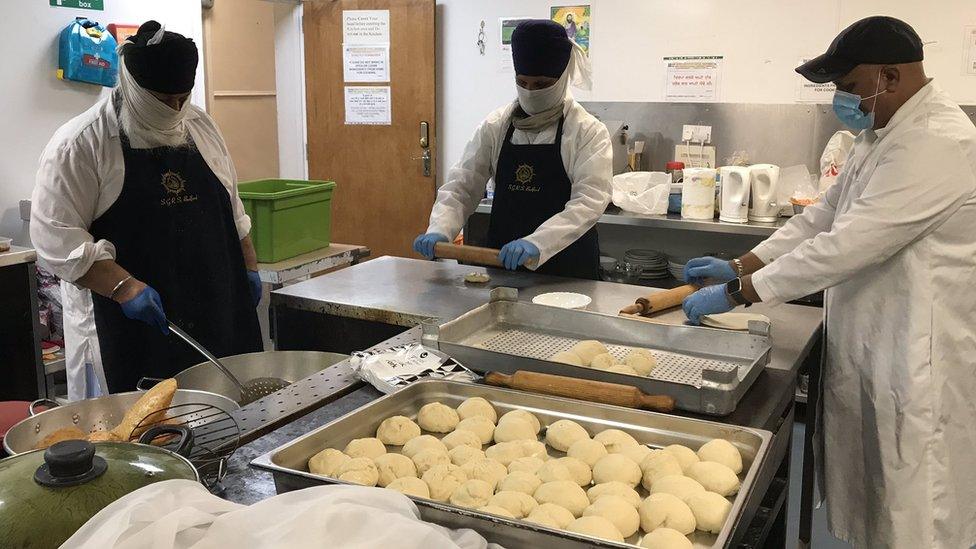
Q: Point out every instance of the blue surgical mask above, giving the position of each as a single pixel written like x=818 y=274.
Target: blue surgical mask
x=847 y=107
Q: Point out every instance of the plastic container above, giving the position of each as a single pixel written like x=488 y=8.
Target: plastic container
x=674 y=199
x=86 y=53
x=288 y=217
x=5 y=244
x=698 y=193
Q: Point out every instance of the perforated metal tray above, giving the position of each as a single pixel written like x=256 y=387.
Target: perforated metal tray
x=705 y=370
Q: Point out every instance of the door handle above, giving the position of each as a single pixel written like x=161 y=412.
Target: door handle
x=426 y=158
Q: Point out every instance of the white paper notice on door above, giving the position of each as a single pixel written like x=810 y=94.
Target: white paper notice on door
x=692 y=78
x=811 y=92
x=969 y=51
x=365 y=26
x=368 y=105
x=366 y=63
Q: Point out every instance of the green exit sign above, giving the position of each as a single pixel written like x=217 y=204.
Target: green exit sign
x=80 y=4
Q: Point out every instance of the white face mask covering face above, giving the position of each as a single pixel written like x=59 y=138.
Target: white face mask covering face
x=147 y=121
x=536 y=101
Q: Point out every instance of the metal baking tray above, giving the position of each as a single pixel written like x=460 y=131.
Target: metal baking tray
x=705 y=370
x=288 y=463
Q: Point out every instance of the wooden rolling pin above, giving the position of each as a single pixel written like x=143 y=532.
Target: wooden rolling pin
x=659 y=301
x=582 y=389
x=468 y=254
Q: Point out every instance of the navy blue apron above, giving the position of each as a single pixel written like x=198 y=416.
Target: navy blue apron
x=173 y=228
x=531 y=185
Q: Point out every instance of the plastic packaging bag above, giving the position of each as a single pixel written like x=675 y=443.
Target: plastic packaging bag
x=86 y=53
x=789 y=180
x=398 y=367
x=642 y=192
x=834 y=157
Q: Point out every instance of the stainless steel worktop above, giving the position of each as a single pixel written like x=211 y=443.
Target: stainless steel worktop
x=616 y=216
x=404 y=292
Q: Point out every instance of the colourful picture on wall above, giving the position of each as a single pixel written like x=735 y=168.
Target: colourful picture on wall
x=576 y=21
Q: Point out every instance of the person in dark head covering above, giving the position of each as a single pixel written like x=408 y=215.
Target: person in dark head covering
x=549 y=159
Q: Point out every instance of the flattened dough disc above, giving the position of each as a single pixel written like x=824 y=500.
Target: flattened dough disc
x=732 y=321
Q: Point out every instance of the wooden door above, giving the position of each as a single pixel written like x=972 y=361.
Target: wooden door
x=383 y=197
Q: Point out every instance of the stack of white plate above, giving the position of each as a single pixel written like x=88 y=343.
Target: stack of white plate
x=653 y=263
x=676 y=266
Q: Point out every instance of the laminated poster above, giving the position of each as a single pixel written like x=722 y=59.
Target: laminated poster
x=576 y=21
x=368 y=105
x=692 y=78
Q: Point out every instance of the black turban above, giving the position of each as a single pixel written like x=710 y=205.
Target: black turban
x=167 y=67
x=540 y=47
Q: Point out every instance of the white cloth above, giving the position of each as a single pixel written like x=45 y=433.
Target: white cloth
x=588 y=159
x=148 y=122
x=181 y=514
x=893 y=240
x=80 y=176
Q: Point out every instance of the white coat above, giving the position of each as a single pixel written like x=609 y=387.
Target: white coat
x=80 y=176
x=895 y=242
x=588 y=159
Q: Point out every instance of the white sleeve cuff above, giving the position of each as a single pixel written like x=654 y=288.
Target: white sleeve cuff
x=763 y=288
x=766 y=252
x=81 y=259
x=243 y=224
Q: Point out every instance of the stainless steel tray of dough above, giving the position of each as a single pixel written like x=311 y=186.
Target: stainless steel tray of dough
x=289 y=463
x=705 y=370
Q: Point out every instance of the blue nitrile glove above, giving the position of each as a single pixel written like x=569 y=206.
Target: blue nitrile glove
x=707 y=301
x=424 y=244
x=700 y=268
x=147 y=307
x=514 y=254
x=254 y=279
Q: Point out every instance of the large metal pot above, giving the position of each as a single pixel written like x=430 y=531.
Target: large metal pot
x=95 y=414
x=289 y=366
x=46 y=495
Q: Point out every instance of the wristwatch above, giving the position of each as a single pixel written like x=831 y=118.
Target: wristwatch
x=733 y=289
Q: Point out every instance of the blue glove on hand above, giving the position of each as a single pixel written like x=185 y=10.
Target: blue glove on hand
x=254 y=280
x=707 y=301
x=514 y=254
x=700 y=268
x=147 y=307
x=424 y=244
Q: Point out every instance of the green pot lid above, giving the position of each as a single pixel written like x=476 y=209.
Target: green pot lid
x=46 y=495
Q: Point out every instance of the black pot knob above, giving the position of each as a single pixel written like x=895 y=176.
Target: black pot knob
x=70 y=463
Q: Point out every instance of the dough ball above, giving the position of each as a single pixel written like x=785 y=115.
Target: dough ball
x=614 y=488
x=524 y=416
x=360 y=470
x=666 y=538
x=392 y=467
x=721 y=451
x=477 y=407
x=397 y=430
x=637 y=454
x=659 y=465
x=472 y=493
x=563 y=433
x=437 y=418
x=533 y=448
x=597 y=527
x=567 y=357
x=579 y=471
x=715 y=477
x=677 y=485
x=479 y=425
x=496 y=510
x=423 y=442
x=425 y=459
x=410 y=486
x=587 y=450
x=520 y=481
x=519 y=504
x=553 y=470
x=461 y=438
x=615 y=467
x=365 y=447
x=462 y=454
x=622 y=369
x=442 y=480
x=564 y=493
x=666 y=511
x=685 y=455
x=710 y=510
x=526 y=464
x=505 y=453
x=615 y=440
x=327 y=462
x=617 y=510
x=604 y=361
x=477 y=278
x=641 y=360
x=587 y=350
x=514 y=429
x=487 y=470
x=551 y=515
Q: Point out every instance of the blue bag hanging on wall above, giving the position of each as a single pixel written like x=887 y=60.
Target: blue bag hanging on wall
x=87 y=54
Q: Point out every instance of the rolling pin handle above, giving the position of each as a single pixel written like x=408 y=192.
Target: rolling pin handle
x=498 y=379
x=657 y=403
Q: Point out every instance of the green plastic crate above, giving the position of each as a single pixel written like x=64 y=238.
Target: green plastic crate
x=288 y=217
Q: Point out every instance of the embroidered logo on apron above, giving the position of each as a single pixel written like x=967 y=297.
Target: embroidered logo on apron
x=524 y=174
x=175 y=185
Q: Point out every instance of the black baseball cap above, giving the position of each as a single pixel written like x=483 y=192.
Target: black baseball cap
x=877 y=40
